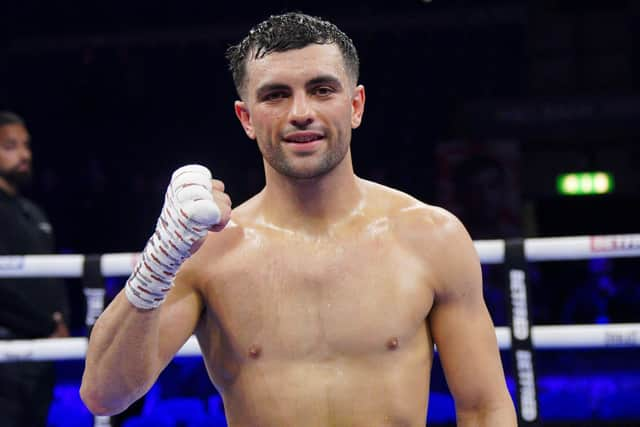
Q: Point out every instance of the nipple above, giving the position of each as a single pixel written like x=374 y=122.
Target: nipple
x=254 y=351
x=392 y=344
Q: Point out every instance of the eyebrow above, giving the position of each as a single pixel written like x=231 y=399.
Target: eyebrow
x=12 y=140
x=322 y=79
x=325 y=79
x=269 y=87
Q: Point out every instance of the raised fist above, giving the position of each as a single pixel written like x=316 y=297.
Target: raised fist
x=194 y=204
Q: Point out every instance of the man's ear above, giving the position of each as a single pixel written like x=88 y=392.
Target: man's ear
x=242 y=113
x=357 y=106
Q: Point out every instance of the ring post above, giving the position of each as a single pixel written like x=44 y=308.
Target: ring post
x=94 y=292
x=522 y=359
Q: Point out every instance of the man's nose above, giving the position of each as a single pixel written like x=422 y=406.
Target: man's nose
x=25 y=153
x=301 y=113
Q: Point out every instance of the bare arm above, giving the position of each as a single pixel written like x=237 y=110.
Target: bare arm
x=147 y=323
x=464 y=333
x=129 y=347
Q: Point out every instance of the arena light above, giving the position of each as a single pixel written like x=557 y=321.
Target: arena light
x=584 y=183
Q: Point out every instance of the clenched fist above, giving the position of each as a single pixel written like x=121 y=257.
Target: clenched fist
x=194 y=204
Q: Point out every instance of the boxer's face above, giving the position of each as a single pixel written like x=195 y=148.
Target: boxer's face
x=300 y=106
x=15 y=154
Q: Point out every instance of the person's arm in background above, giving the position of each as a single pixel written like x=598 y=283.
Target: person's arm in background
x=62 y=313
x=464 y=334
x=17 y=315
x=20 y=317
x=56 y=292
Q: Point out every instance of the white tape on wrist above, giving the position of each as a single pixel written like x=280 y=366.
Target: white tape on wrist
x=188 y=212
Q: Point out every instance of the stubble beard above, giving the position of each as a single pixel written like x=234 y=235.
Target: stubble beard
x=18 y=179
x=287 y=166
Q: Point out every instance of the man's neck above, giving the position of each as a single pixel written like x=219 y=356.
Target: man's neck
x=312 y=205
x=8 y=188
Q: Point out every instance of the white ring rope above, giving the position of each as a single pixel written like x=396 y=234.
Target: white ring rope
x=543 y=337
x=564 y=248
x=64 y=265
x=490 y=252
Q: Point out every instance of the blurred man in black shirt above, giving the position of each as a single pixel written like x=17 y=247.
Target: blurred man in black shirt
x=29 y=308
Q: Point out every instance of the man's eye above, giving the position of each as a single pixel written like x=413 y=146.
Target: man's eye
x=323 y=91
x=274 y=96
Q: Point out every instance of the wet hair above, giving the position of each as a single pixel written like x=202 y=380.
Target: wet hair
x=280 y=33
x=10 y=118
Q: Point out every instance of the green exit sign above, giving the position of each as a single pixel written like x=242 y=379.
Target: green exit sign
x=584 y=183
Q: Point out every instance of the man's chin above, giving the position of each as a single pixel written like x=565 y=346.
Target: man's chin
x=301 y=173
x=20 y=180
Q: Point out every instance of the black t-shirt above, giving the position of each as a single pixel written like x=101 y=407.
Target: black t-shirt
x=27 y=304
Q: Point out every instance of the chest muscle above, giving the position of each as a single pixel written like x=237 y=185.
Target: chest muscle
x=308 y=301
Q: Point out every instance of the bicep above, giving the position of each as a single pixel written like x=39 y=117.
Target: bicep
x=467 y=347
x=462 y=328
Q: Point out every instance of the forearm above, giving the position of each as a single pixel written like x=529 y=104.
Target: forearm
x=497 y=416
x=122 y=357
x=127 y=349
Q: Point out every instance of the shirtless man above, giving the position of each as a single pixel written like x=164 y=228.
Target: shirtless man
x=320 y=302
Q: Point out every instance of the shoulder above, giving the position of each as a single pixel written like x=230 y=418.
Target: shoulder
x=32 y=208
x=435 y=236
x=35 y=214
x=413 y=220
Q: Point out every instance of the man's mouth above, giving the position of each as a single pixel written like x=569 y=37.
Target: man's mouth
x=23 y=167
x=303 y=137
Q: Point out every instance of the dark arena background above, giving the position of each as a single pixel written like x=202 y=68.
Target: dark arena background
x=476 y=106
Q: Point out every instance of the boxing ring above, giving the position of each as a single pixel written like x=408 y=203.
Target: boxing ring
x=518 y=338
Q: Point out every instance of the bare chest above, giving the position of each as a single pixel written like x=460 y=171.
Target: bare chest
x=308 y=300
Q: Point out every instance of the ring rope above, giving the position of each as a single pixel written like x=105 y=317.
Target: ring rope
x=490 y=252
x=543 y=337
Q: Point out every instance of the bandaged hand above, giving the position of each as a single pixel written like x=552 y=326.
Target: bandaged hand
x=194 y=204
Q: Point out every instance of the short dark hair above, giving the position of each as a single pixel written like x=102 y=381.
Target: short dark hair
x=280 y=33
x=10 y=118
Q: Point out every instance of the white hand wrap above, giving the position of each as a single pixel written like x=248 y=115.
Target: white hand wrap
x=188 y=212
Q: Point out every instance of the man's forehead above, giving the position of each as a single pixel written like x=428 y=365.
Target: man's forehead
x=13 y=131
x=302 y=63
